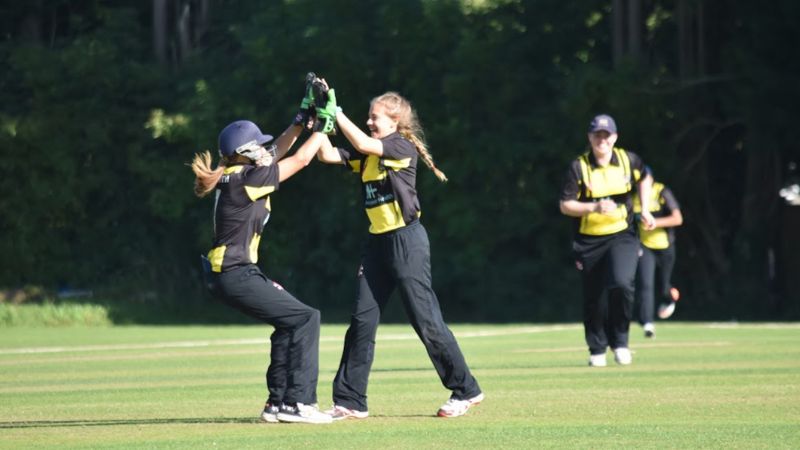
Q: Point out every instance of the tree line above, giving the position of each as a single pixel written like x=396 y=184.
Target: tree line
x=105 y=102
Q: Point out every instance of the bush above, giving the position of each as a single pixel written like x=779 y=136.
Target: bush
x=52 y=314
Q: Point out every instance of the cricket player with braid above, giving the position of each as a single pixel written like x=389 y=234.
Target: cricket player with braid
x=396 y=255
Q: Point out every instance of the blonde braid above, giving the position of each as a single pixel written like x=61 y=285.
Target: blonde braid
x=399 y=109
x=422 y=149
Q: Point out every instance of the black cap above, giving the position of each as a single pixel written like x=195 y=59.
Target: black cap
x=603 y=122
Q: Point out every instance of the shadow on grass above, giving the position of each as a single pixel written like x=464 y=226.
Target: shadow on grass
x=102 y=423
x=186 y=421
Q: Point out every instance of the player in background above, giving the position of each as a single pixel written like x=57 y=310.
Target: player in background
x=597 y=193
x=250 y=171
x=657 y=255
x=396 y=256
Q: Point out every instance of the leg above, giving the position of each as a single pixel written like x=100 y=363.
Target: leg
x=278 y=365
x=250 y=291
x=374 y=287
x=666 y=262
x=623 y=258
x=412 y=266
x=645 y=285
x=593 y=262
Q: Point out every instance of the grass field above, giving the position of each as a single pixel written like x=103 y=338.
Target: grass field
x=698 y=385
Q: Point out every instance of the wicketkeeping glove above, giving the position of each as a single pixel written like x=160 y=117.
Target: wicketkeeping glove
x=326 y=116
x=307 y=107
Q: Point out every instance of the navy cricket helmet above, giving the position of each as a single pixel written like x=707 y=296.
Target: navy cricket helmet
x=239 y=134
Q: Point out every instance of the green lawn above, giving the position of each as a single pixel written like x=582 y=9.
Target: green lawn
x=698 y=385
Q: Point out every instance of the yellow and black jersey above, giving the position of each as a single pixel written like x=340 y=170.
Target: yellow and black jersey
x=586 y=180
x=662 y=203
x=390 y=195
x=241 y=209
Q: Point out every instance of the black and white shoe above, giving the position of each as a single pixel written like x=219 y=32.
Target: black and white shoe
x=270 y=413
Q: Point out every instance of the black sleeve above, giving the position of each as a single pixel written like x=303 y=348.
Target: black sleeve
x=262 y=176
x=669 y=199
x=397 y=147
x=570 y=188
x=352 y=159
x=638 y=170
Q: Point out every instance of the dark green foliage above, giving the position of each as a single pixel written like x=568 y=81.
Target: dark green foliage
x=96 y=134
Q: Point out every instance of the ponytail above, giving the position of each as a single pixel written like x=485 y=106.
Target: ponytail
x=206 y=178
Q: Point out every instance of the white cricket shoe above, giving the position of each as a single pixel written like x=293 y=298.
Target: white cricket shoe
x=598 y=360
x=340 y=413
x=301 y=413
x=665 y=310
x=622 y=356
x=649 y=330
x=455 y=407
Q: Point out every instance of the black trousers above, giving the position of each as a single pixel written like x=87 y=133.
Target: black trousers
x=398 y=260
x=294 y=356
x=608 y=272
x=652 y=262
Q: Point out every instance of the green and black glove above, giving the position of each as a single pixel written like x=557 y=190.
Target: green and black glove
x=326 y=115
x=307 y=108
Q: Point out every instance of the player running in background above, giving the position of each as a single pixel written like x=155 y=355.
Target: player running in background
x=597 y=192
x=657 y=255
x=250 y=171
x=396 y=256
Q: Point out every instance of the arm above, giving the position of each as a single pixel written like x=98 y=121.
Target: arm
x=577 y=208
x=287 y=139
x=301 y=158
x=571 y=206
x=675 y=219
x=327 y=153
x=362 y=143
x=645 y=186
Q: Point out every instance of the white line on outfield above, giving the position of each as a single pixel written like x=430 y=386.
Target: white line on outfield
x=759 y=325
x=264 y=341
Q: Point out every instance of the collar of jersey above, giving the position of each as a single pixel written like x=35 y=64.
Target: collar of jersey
x=613 y=162
x=233 y=169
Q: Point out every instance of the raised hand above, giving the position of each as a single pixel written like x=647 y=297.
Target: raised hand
x=326 y=115
x=306 y=113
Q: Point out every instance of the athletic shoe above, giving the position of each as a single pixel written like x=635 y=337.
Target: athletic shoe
x=666 y=310
x=597 y=360
x=301 y=413
x=455 y=407
x=270 y=413
x=649 y=330
x=622 y=356
x=341 y=413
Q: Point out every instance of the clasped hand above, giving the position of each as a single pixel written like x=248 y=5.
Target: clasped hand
x=607 y=207
x=318 y=108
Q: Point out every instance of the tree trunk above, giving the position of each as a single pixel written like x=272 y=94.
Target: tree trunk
x=684 y=37
x=701 y=41
x=617 y=31
x=634 y=29
x=185 y=31
x=160 y=30
x=201 y=21
x=691 y=39
x=30 y=28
